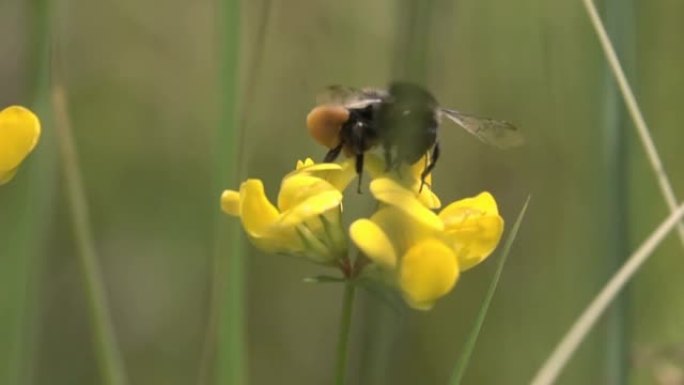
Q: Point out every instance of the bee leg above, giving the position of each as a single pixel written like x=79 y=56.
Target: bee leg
x=430 y=165
x=359 y=169
x=333 y=153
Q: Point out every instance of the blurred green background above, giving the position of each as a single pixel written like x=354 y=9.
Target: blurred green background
x=143 y=82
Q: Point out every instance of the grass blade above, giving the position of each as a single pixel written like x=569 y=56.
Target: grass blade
x=229 y=276
x=548 y=373
x=462 y=363
x=614 y=170
x=107 y=350
x=26 y=207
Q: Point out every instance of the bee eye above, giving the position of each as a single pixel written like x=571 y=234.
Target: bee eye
x=324 y=124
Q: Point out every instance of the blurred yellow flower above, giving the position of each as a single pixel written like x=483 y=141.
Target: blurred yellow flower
x=307 y=219
x=19 y=133
x=421 y=252
x=409 y=246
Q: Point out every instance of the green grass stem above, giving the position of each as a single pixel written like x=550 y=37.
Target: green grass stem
x=25 y=220
x=469 y=347
x=614 y=181
x=343 y=337
x=229 y=278
x=107 y=352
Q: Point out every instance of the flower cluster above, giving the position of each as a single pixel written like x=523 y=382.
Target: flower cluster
x=405 y=243
x=19 y=133
x=307 y=219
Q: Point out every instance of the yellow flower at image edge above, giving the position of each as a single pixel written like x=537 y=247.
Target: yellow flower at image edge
x=19 y=133
x=307 y=219
x=424 y=253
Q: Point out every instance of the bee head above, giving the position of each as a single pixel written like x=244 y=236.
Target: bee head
x=325 y=122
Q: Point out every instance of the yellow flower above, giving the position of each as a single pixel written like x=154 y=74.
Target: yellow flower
x=307 y=219
x=421 y=252
x=19 y=133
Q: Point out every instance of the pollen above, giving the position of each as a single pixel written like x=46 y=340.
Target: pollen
x=325 y=122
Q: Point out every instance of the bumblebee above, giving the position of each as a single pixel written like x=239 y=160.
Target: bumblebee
x=403 y=120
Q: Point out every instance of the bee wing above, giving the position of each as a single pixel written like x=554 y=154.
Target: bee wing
x=497 y=133
x=350 y=97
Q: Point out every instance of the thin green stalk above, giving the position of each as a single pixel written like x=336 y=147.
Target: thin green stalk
x=413 y=40
x=560 y=356
x=464 y=359
x=343 y=336
x=412 y=35
x=620 y=22
x=107 y=351
x=229 y=276
x=25 y=213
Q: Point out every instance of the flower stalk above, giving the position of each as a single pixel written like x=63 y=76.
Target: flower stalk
x=343 y=336
x=108 y=354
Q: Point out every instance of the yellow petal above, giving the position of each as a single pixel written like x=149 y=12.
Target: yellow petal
x=483 y=203
x=308 y=166
x=473 y=227
x=428 y=197
x=230 y=202
x=429 y=270
x=257 y=213
x=388 y=191
x=337 y=174
x=402 y=229
x=417 y=168
x=297 y=188
x=373 y=242
x=311 y=207
x=340 y=179
x=19 y=133
x=311 y=167
x=305 y=163
x=407 y=176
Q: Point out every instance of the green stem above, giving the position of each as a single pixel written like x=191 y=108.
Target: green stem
x=26 y=204
x=229 y=285
x=620 y=24
x=108 y=355
x=343 y=337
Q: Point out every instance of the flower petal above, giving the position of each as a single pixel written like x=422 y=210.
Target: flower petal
x=340 y=180
x=427 y=196
x=299 y=187
x=337 y=174
x=483 y=203
x=473 y=227
x=230 y=202
x=19 y=133
x=309 y=166
x=311 y=207
x=389 y=191
x=304 y=163
x=256 y=212
x=429 y=270
x=373 y=242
